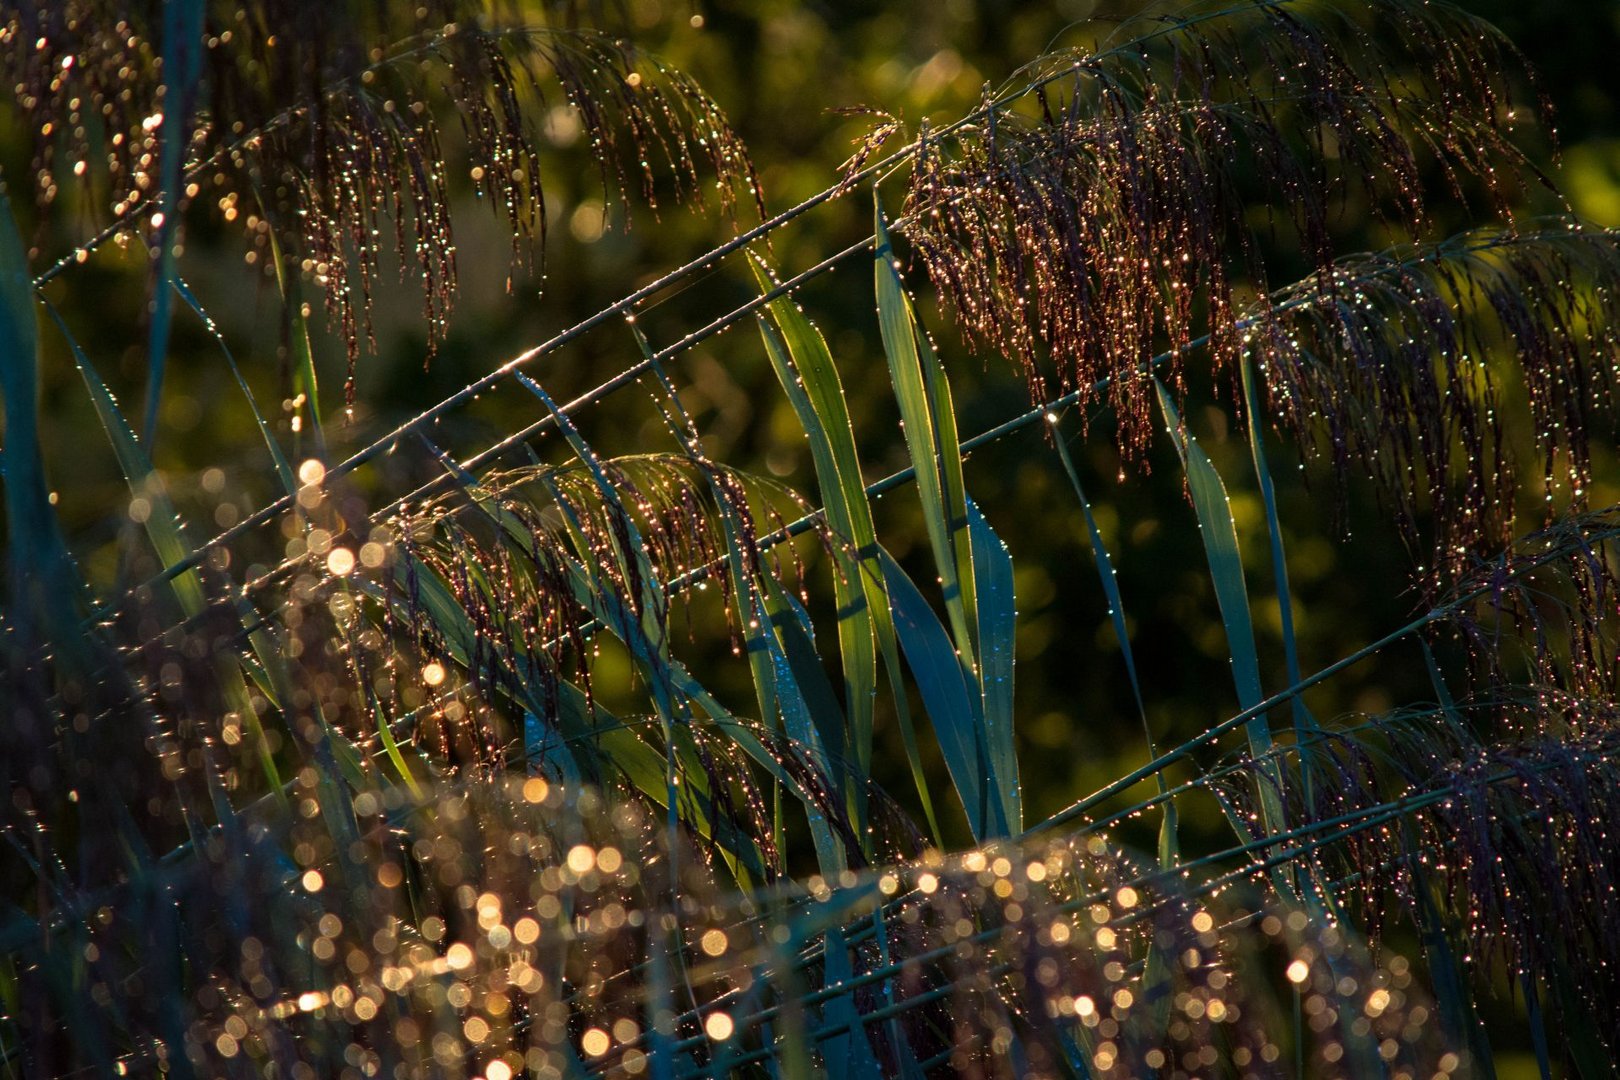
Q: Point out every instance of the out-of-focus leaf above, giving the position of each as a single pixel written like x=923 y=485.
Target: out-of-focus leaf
x=1538 y=1026
x=162 y=522
x=167 y=534
x=182 y=73
x=848 y=1053
x=284 y=470
x=45 y=584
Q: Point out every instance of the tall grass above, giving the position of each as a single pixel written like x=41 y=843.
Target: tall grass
x=434 y=770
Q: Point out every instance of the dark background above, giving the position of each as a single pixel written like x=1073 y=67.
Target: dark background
x=778 y=68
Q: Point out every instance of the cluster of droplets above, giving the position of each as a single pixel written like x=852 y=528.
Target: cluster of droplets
x=512 y=926
x=504 y=925
x=1395 y=363
x=1541 y=615
x=315 y=127
x=1093 y=241
x=519 y=586
x=1492 y=834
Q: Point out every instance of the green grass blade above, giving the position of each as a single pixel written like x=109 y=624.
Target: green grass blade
x=1219 y=532
x=1109 y=580
x=997 y=615
x=44 y=583
x=776 y=683
x=587 y=726
x=1442 y=694
x=620 y=749
x=953 y=702
x=1157 y=977
x=631 y=553
x=391 y=747
x=1304 y=723
x=284 y=471
x=162 y=522
x=798 y=723
x=847 y=1054
x=1583 y=1045
x=297 y=330
x=792 y=627
x=167 y=534
x=856 y=640
x=665 y=676
x=808 y=375
x=182 y=72
x=757 y=643
x=924 y=398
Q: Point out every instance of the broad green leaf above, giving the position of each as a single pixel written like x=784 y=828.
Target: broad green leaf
x=953 y=701
x=997 y=614
x=1219 y=533
x=926 y=412
x=855 y=633
x=848 y=1053
x=810 y=709
x=805 y=368
x=45 y=584
x=182 y=73
x=763 y=649
x=758 y=643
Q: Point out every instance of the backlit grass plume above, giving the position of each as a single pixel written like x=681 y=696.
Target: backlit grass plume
x=501 y=755
x=319 y=130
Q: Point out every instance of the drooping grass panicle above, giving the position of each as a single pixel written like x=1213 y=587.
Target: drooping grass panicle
x=1400 y=367
x=1508 y=837
x=318 y=125
x=1544 y=618
x=1110 y=219
x=488 y=856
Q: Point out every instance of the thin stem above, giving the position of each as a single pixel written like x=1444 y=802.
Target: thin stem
x=626 y=305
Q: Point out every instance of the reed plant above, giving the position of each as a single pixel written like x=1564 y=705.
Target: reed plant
x=434 y=764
